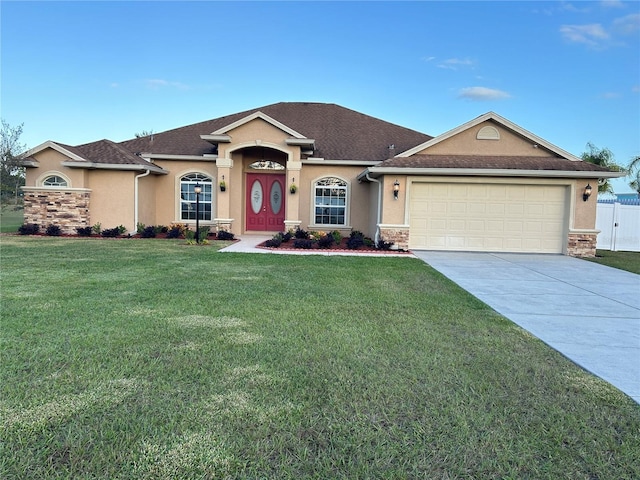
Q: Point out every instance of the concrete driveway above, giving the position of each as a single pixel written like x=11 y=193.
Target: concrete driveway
x=588 y=312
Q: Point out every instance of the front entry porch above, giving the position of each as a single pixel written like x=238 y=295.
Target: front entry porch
x=265 y=202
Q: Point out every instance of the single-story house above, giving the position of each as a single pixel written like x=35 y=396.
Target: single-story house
x=487 y=185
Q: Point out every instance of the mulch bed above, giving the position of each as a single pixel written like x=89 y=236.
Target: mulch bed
x=341 y=247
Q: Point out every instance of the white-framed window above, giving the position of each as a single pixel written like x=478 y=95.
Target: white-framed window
x=330 y=201
x=54 y=181
x=188 y=196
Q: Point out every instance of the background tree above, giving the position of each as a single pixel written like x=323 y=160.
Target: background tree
x=634 y=173
x=604 y=158
x=12 y=174
x=144 y=133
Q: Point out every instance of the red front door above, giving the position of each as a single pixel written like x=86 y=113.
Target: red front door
x=265 y=202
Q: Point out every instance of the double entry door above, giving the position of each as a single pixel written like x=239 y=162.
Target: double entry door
x=265 y=202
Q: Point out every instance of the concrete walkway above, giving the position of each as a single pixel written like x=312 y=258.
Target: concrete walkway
x=588 y=312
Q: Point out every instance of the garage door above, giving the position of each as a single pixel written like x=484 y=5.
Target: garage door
x=489 y=218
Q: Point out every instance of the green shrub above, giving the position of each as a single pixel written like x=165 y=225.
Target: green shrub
x=304 y=243
x=29 y=229
x=301 y=234
x=356 y=240
x=224 y=235
x=84 y=231
x=148 y=232
x=274 y=242
x=382 y=245
x=174 y=232
x=326 y=241
x=53 y=231
x=110 y=232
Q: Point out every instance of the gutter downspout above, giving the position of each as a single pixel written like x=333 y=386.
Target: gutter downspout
x=379 y=213
x=135 y=199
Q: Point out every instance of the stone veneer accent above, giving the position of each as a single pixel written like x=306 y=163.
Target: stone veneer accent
x=66 y=209
x=582 y=245
x=398 y=235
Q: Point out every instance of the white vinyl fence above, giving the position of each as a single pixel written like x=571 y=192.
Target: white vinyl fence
x=619 y=225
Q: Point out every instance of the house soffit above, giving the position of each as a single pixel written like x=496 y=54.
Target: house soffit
x=534 y=139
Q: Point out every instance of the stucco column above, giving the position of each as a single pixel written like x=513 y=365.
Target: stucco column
x=292 y=213
x=223 y=199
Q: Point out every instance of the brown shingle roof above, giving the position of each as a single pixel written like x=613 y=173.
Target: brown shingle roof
x=491 y=162
x=106 y=152
x=339 y=133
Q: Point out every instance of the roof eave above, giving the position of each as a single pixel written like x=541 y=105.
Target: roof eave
x=375 y=172
x=215 y=139
x=116 y=166
x=301 y=142
x=53 y=145
x=28 y=163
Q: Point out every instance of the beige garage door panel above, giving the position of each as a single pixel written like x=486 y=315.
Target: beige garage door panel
x=506 y=218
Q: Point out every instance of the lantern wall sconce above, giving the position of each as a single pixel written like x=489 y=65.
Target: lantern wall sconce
x=223 y=184
x=587 y=192
x=396 y=189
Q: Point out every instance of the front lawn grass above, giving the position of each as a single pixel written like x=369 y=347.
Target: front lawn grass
x=149 y=359
x=629 y=261
x=11 y=218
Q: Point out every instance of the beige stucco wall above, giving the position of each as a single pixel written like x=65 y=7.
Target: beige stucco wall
x=258 y=133
x=167 y=187
x=393 y=211
x=358 y=196
x=112 y=198
x=466 y=143
x=50 y=163
x=147 y=200
x=585 y=212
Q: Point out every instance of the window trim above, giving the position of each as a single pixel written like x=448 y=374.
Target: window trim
x=43 y=178
x=180 y=201
x=347 y=205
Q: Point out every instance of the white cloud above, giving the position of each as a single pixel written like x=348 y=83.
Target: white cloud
x=635 y=89
x=592 y=34
x=627 y=25
x=156 y=84
x=456 y=63
x=569 y=7
x=428 y=59
x=612 y=4
x=482 y=93
x=610 y=95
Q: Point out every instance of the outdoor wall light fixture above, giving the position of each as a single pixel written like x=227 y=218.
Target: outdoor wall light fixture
x=396 y=189
x=587 y=192
x=197 y=190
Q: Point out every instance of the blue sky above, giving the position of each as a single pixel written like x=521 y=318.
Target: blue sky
x=76 y=72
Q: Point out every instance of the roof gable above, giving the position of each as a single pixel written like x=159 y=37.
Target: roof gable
x=65 y=150
x=536 y=141
x=254 y=116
